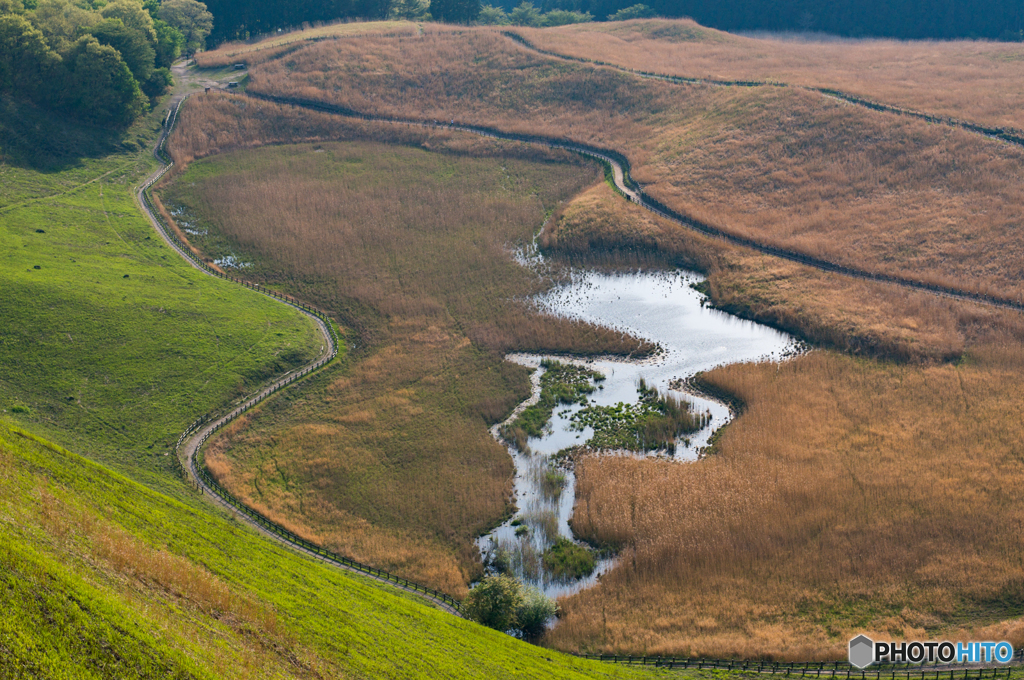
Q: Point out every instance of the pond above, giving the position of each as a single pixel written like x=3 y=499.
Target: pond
x=655 y=305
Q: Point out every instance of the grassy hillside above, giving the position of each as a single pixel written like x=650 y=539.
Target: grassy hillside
x=111 y=343
x=104 y=578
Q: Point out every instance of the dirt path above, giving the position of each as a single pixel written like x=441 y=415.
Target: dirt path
x=1010 y=135
x=193 y=438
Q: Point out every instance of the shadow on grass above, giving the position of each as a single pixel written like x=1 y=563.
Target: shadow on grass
x=41 y=140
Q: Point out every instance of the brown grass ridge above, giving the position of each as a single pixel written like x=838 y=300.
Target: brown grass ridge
x=784 y=166
x=975 y=80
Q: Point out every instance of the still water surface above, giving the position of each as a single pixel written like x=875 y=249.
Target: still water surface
x=658 y=306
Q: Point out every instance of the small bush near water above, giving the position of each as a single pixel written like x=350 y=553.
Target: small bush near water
x=567 y=560
x=503 y=603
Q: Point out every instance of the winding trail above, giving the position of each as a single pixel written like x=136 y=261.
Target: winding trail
x=626 y=186
x=191 y=441
x=197 y=434
x=1011 y=135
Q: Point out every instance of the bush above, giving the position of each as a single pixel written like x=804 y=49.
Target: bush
x=533 y=615
x=567 y=560
x=494 y=602
x=505 y=604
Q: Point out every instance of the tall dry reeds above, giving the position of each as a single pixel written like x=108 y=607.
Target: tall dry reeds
x=851 y=495
x=976 y=80
x=859 y=317
x=391 y=462
x=781 y=165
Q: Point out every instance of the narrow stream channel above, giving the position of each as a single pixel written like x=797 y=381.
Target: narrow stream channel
x=659 y=306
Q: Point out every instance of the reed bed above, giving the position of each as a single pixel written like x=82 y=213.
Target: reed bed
x=230 y=53
x=388 y=460
x=851 y=495
x=859 y=317
x=976 y=80
x=781 y=165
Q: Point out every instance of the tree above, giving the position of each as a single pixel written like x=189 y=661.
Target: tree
x=102 y=85
x=632 y=12
x=562 y=17
x=11 y=7
x=169 y=42
x=494 y=602
x=132 y=15
x=158 y=83
x=455 y=11
x=191 y=19
x=525 y=15
x=410 y=10
x=492 y=16
x=503 y=603
x=132 y=45
x=28 y=66
x=59 y=21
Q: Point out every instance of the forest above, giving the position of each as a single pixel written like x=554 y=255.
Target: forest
x=904 y=19
x=103 y=62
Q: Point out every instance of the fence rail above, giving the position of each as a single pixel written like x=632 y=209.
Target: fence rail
x=199 y=469
x=833 y=670
x=642 y=198
x=607 y=158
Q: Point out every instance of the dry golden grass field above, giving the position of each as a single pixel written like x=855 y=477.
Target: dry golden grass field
x=784 y=166
x=389 y=459
x=231 y=53
x=874 y=487
x=851 y=495
x=973 y=80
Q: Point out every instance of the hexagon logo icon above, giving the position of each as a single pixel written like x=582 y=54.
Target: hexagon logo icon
x=861 y=651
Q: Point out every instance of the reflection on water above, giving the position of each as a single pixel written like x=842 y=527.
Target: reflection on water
x=658 y=306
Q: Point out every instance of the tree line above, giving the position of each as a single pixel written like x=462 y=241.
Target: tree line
x=907 y=19
x=99 y=61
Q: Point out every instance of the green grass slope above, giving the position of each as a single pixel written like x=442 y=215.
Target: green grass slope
x=101 y=577
x=110 y=343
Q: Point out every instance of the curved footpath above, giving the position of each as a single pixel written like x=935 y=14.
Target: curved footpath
x=1011 y=135
x=618 y=170
x=195 y=436
x=617 y=166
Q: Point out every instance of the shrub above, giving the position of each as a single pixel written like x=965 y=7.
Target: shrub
x=534 y=613
x=568 y=560
x=494 y=602
x=505 y=604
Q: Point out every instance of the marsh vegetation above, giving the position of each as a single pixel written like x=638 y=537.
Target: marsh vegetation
x=868 y=490
x=388 y=459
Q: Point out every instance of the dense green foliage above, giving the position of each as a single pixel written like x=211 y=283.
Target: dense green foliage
x=455 y=11
x=503 y=603
x=102 y=65
x=527 y=14
x=568 y=560
x=915 y=19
